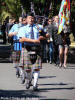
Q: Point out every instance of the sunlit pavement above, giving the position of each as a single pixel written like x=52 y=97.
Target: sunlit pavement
x=54 y=83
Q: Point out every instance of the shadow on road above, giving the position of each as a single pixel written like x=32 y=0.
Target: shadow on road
x=70 y=67
x=47 y=76
x=58 y=84
x=27 y=94
x=54 y=99
x=12 y=94
x=65 y=88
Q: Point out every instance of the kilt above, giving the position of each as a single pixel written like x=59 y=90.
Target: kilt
x=26 y=61
x=16 y=51
x=16 y=56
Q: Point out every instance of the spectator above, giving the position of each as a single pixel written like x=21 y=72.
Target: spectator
x=8 y=27
x=64 y=46
x=55 y=39
x=50 y=40
x=3 y=27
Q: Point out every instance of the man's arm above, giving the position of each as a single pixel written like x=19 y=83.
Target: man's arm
x=12 y=34
x=24 y=39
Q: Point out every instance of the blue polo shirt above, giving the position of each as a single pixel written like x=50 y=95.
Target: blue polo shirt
x=26 y=32
x=16 y=44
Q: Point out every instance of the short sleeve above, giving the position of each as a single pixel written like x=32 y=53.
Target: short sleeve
x=11 y=30
x=14 y=28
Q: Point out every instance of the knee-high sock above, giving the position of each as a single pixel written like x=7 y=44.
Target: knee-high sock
x=16 y=66
x=35 y=75
x=21 y=71
x=29 y=76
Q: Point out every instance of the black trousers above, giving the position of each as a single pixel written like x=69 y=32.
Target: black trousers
x=56 y=54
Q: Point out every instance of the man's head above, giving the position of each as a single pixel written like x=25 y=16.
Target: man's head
x=30 y=18
x=39 y=20
x=20 y=19
x=24 y=20
x=49 y=21
x=56 y=19
x=12 y=20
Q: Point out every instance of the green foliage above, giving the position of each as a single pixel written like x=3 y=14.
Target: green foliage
x=73 y=11
x=10 y=8
x=42 y=1
x=13 y=7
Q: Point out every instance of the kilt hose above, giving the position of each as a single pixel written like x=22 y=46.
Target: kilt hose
x=27 y=62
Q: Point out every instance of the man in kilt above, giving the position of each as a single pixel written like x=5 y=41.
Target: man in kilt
x=17 y=46
x=31 y=49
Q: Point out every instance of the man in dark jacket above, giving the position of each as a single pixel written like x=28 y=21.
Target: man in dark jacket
x=55 y=40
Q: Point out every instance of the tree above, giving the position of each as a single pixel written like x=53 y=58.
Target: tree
x=10 y=8
x=41 y=7
x=73 y=10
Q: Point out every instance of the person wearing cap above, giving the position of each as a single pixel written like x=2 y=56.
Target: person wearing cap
x=50 y=40
x=17 y=46
x=31 y=43
x=64 y=46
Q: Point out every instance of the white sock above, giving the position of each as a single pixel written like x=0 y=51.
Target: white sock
x=29 y=75
x=35 y=75
x=21 y=71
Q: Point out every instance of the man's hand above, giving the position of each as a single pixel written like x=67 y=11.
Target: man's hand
x=47 y=35
x=22 y=39
x=41 y=38
x=12 y=34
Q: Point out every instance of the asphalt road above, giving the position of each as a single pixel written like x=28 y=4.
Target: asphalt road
x=54 y=83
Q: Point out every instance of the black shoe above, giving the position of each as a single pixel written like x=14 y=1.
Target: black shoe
x=23 y=81
x=28 y=84
x=35 y=88
x=56 y=64
x=17 y=74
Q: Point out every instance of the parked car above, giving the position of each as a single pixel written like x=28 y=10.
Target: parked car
x=1 y=35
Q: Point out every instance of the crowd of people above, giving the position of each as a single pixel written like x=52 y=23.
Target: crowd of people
x=33 y=43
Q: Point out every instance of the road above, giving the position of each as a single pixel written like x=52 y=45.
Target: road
x=54 y=83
